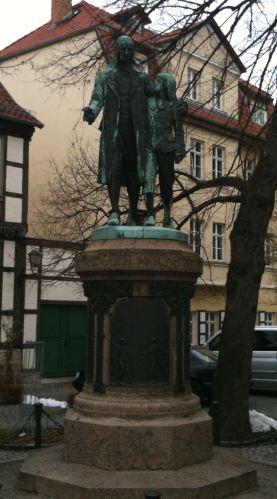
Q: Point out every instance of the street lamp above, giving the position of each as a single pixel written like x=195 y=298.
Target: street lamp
x=35 y=258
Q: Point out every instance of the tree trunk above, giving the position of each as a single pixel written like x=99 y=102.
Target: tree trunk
x=243 y=283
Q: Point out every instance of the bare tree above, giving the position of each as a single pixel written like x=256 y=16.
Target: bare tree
x=73 y=204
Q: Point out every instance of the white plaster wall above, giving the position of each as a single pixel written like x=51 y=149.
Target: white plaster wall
x=31 y=293
x=15 y=149
x=13 y=209
x=7 y=290
x=62 y=291
x=9 y=254
x=14 y=179
x=59 y=111
x=56 y=260
x=30 y=324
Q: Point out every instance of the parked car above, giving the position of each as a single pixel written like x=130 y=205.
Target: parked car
x=264 y=359
x=202 y=369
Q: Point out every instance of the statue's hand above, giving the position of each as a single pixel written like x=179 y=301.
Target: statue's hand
x=88 y=115
x=178 y=158
x=182 y=108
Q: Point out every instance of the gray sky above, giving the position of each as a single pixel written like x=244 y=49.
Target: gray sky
x=19 y=17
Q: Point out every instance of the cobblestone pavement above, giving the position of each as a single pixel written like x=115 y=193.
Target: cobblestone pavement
x=263 y=457
x=263 y=454
x=8 y=474
x=265 y=403
x=9 y=456
x=10 y=462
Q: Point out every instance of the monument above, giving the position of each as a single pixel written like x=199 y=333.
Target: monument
x=136 y=425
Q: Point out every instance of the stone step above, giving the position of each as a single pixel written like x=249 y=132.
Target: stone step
x=44 y=473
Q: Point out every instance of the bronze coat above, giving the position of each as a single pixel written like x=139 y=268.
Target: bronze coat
x=105 y=95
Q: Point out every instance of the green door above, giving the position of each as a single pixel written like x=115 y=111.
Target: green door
x=63 y=331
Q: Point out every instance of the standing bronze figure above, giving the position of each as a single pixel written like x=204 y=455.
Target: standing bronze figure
x=165 y=114
x=122 y=90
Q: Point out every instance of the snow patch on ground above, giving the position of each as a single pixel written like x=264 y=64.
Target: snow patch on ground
x=32 y=399
x=260 y=422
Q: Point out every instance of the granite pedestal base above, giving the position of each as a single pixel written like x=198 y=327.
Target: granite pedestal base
x=45 y=474
x=137 y=431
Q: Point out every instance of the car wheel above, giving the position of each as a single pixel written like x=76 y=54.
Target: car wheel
x=198 y=389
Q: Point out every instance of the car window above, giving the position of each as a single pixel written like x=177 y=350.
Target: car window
x=215 y=343
x=205 y=355
x=256 y=340
x=267 y=340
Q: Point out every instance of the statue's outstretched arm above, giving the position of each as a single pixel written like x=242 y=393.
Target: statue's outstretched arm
x=96 y=102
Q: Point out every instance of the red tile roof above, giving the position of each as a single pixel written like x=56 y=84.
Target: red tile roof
x=10 y=110
x=245 y=127
x=253 y=89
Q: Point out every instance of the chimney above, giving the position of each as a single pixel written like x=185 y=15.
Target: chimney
x=60 y=8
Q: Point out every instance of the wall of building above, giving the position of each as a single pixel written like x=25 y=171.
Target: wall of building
x=58 y=108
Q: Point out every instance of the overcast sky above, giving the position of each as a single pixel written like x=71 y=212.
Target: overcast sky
x=19 y=17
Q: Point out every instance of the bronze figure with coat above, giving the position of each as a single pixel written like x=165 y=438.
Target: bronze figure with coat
x=121 y=90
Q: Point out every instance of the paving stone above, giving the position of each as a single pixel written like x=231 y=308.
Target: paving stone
x=7 y=456
x=263 y=454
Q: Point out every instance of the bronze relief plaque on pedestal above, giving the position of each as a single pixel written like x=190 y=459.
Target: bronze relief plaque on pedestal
x=139 y=343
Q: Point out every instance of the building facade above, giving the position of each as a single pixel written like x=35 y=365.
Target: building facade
x=223 y=132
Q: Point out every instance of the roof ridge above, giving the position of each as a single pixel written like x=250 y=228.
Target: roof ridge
x=89 y=6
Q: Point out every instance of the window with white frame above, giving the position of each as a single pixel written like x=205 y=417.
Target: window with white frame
x=193 y=85
x=218 y=161
x=258 y=112
x=265 y=319
x=206 y=326
x=221 y=315
x=268 y=250
x=195 y=235
x=248 y=168
x=217 y=97
x=218 y=239
x=191 y=327
x=2 y=148
x=196 y=158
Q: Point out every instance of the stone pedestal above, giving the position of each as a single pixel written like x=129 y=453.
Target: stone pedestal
x=136 y=415
x=138 y=409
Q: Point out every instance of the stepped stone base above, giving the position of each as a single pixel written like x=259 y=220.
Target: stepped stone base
x=45 y=474
x=137 y=431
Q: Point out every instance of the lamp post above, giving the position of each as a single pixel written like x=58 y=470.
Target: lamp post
x=35 y=258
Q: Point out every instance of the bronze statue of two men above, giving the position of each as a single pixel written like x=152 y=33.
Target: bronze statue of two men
x=141 y=133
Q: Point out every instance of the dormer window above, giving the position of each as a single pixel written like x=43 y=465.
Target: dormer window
x=258 y=112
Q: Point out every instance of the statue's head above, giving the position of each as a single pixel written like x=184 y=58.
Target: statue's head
x=124 y=49
x=165 y=85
